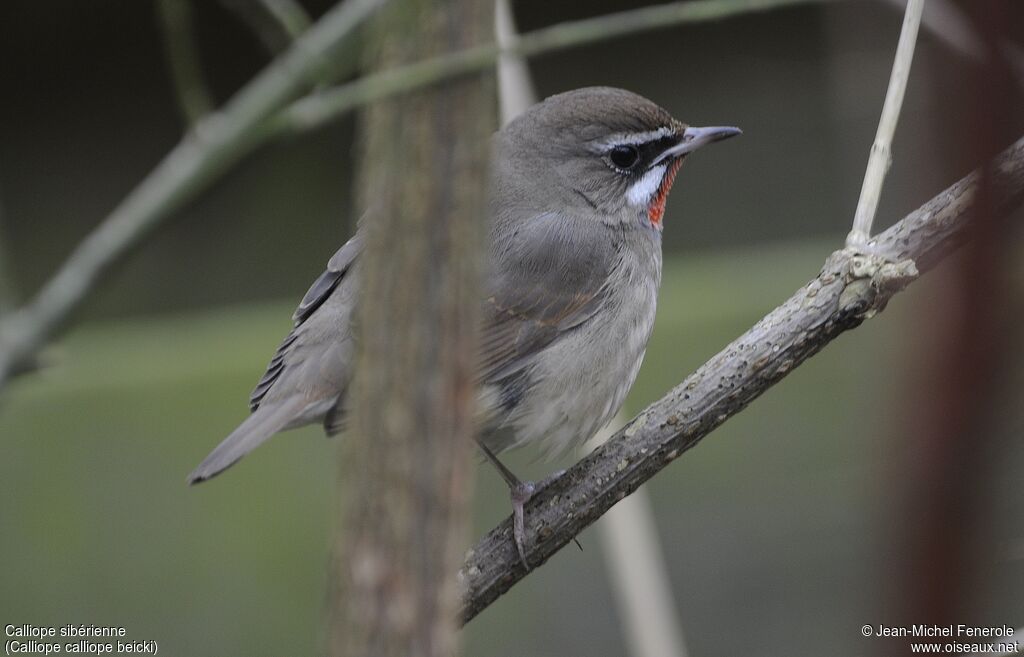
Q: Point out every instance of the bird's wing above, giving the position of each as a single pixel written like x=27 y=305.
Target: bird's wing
x=339 y=265
x=322 y=287
x=551 y=278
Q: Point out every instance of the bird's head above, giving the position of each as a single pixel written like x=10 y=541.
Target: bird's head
x=596 y=151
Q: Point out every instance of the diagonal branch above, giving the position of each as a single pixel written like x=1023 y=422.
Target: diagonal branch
x=850 y=288
x=206 y=152
x=276 y=23
x=317 y=110
x=259 y=112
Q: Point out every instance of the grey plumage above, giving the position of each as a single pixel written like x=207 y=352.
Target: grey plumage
x=574 y=269
x=309 y=373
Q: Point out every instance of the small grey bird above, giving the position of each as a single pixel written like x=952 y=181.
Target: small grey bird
x=579 y=183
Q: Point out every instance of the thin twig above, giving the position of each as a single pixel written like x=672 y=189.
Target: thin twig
x=515 y=86
x=224 y=137
x=276 y=23
x=219 y=141
x=636 y=568
x=850 y=288
x=881 y=150
x=315 y=111
x=289 y=14
x=7 y=286
x=946 y=22
x=183 y=59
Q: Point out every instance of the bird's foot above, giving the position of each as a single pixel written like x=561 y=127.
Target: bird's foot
x=521 y=493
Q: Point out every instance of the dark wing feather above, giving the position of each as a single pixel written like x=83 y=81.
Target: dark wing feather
x=273 y=371
x=322 y=287
x=553 y=280
x=337 y=267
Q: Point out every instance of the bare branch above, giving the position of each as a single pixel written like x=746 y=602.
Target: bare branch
x=7 y=294
x=183 y=59
x=289 y=14
x=637 y=571
x=881 y=150
x=947 y=23
x=516 y=92
x=214 y=145
x=224 y=137
x=315 y=111
x=945 y=20
x=850 y=288
x=276 y=23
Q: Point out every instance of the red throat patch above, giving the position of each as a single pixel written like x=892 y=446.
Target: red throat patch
x=656 y=210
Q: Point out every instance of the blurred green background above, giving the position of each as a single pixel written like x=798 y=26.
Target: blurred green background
x=780 y=530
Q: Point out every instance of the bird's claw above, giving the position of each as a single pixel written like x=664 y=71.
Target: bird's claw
x=522 y=493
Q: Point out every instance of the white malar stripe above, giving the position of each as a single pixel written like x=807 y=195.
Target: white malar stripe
x=642 y=191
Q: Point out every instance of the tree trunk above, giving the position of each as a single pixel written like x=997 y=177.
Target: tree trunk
x=406 y=470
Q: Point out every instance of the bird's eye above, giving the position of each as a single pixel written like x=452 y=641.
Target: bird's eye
x=624 y=157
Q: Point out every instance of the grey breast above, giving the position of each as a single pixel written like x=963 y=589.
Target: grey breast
x=590 y=289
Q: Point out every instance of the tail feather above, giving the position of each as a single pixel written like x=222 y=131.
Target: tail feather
x=267 y=420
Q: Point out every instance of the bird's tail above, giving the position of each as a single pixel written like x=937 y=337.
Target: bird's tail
x=265 y=421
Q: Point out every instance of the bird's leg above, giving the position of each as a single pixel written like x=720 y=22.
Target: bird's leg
x=520 y=493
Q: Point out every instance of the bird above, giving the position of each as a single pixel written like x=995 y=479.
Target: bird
x=578 y=188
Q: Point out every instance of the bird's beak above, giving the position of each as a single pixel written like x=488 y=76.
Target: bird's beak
x=694 y=138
